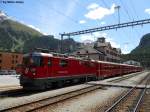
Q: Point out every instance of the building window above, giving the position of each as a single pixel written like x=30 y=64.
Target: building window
x=0 y=67
x=78 y=52
x=0 y=61
x=107 y=51
x=107 y=59
x=16 y=56
x=16 y=61
x=99 y=57
x=12 y=61
x=0 y=55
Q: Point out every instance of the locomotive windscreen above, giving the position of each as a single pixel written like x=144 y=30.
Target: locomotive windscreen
x=32 y=61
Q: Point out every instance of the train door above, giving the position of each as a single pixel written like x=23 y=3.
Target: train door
x=99 y=70
x=49 y=67
x=44 y=68
x=63 y=67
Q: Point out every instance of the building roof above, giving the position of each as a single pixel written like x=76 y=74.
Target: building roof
x=132 y=62
x=88 y=49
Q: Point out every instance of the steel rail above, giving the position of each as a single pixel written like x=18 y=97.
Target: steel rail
x=74 y=92
x=141 y=97
x=124 y=96
x=118 y=101
x=125 y=77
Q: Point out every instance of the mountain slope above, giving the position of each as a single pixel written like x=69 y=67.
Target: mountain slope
x=142 y=52
x=144 y=46
x=17 y=37
x=14 y=34
x=49 y=42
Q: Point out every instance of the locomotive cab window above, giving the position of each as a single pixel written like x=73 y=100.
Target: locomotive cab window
x=37 y=61
x=33 y=61
x=63 y=63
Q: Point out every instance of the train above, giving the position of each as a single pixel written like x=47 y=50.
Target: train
x=45 y=70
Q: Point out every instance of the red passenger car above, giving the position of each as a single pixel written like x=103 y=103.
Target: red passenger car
x=44 y=70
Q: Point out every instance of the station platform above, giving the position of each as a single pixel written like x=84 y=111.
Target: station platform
x=105 y=84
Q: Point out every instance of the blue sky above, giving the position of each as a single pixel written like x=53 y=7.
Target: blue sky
x=58 y=16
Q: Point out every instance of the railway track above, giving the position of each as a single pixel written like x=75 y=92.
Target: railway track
x=39 y=104
x=131 y=100
x=143 y=104
x=124 y=77
x=36 y=105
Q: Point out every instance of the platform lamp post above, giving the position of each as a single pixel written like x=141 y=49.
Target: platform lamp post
x=118 y=9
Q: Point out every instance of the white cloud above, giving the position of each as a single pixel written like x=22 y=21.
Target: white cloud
x=44 y=33
x=113 y=43
x=103 y=23
x=3 y=16
x=2 y=13
x=147 y=11
x=100 y=12
x=29 y=25
x=108 y=39
x=100 y=34
x=34 y=27
x=86 y=37
x=93 y=6
x=94 y=36
x=82 y=21
x=125 y=49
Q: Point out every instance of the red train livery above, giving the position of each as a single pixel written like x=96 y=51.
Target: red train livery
x=44 y=70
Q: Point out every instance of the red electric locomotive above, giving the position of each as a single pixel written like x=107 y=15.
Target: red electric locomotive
x=44 y=70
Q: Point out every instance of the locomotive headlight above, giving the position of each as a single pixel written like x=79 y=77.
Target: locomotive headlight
x=26 y=70
x=33 y=70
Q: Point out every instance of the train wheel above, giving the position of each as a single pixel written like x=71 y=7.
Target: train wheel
x=48 y=85
x=75 y=81
x=60 y=84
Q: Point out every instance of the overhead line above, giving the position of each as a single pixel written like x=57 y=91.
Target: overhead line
x=125 y=9
x=115 y=26
x=134 y=9
x=136 y=32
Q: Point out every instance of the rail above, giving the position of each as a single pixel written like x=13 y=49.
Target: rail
x=127 y=94
x=141 y=98
x=35 y=105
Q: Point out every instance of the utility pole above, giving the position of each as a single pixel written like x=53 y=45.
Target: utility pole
x=118 y=9
x=61 y=44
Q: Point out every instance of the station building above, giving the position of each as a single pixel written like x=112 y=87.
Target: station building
x=100 y=50
x=132 y=62
x=9 y=60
